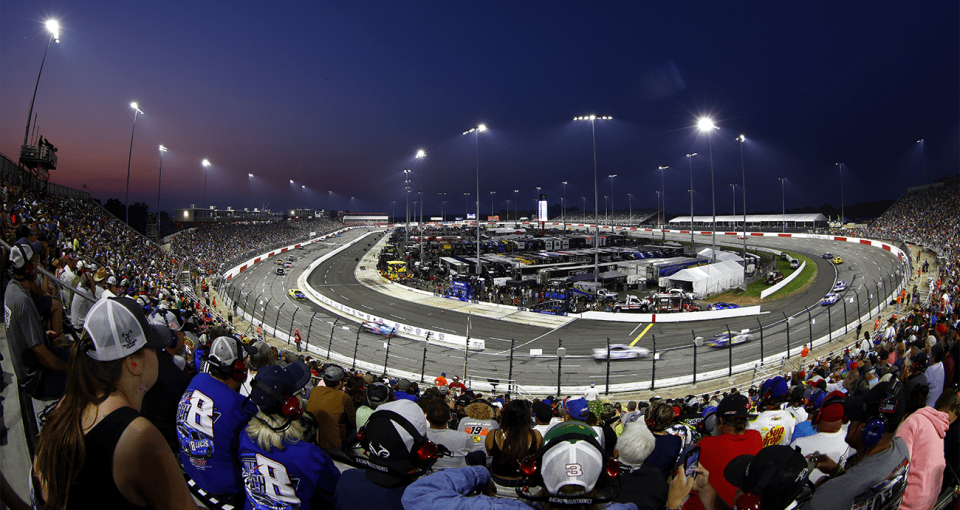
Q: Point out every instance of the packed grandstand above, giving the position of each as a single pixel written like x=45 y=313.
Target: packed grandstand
x=246 y=422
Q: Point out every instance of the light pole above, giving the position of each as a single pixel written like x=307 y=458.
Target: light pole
x=421 y=154
x=465 y=211
x=606 y=215
x=596 y=194
x=663 y=196
x=583 y=212
x=658 y=208
x=840 y=169
x=136 y=111
x=536 y=203
x=563 y=207
x=923 y=156
x=629 y=209
x=249 y=189
x=783 y=213
x=516 y=206
x=492 y=193
x=393 y=215
x=476 y=131
x=611 y=176
x=294 y=204
x=205 y=164
x=733 y=190
x=743 y=189
x=705 y=124
x=442 y=203
x=54 y=28
x=303 y=191
x=406 y=229
x=693 y=244
x=159 y=180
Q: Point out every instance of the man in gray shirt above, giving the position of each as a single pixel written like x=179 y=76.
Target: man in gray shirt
x=41 y=367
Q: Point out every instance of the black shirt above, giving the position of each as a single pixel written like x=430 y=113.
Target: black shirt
x=160 y=403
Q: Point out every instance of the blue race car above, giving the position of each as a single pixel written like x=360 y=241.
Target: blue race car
x=829 y=299
x=379 y=328
x=723 y=306
x=827 y=255
x=296 y=294
x=723 y=339
x=194 y=444
x=840 y=286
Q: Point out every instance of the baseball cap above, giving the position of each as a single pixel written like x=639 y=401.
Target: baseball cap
x=389 y=441
x=734 y=406
x=378 y=393
x=167 y=318
x=578 y=408
x=776 y=387
x=543 y=411
x=691 y=401
x=815 y=396
x=18 y=258
x=403 y=385
x=111 y=280
x=332 y=375
x=834 y=410
x=118 y=329
x=272 y=381
x=776 y=473
x=864 y=407
x=225 y=350
x=575 y=449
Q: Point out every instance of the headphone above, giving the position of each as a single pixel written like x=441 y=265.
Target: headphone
x=290 y=406
x=238 y=370
x=875 y=429
x=836 y=399
x=422 y=456
x=531 y=469
x=23 y=261
x=651 y=417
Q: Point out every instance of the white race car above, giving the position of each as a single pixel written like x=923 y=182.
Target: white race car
x=840 y=286
x=621 y=351
x=830 y=299
x=723 y=339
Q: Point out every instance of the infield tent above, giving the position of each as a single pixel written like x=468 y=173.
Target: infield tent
x=707 y=280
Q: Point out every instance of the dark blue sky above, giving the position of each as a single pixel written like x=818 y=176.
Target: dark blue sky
x=339 y=96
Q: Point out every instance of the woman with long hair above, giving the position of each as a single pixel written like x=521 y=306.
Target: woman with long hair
x=514 y=441
x=96 y=451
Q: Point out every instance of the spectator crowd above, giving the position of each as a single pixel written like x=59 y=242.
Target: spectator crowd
x=146 y=391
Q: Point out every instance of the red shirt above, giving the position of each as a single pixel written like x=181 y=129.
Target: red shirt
x=716 y=452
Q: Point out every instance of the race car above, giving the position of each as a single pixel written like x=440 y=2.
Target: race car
x=287 y=265
x=279 y=262
x=723 y=339
x=280 y=270
x=837 y=260
x=296 y=294
x=379 y=328
x=723 y=306
x=829 y=299
x=840 y=286
x=621 y=351
x=827 y=255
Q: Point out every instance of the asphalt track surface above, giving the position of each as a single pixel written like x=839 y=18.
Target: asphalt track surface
x=863 y=269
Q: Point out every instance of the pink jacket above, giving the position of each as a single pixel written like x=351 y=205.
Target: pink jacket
x=923 y=431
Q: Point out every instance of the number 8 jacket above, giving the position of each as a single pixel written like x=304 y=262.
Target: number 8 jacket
x=210 y=419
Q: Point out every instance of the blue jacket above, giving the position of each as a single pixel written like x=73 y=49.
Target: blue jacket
x=448 y=489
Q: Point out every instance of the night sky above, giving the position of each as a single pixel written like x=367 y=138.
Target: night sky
x=338 y=96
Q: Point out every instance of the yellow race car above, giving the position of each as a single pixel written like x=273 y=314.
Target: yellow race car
x=837 y=260
x=296 y=294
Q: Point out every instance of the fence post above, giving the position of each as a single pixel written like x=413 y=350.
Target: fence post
x=263 y=310
x=694 y=333
x=608 y=366
x=355 y=348
x=729 y=351
x=869 y=306
x=309 y=327
x=423 y=364
x=559 y=365
x=387 y=355
x=277 y=323
x=510 y=373
x=761 y=339
x=859 y=313
x=810 y=324
x=653 y=373
x=332 y=327
x=290 y=329
x=845 y=321
x=787 y=321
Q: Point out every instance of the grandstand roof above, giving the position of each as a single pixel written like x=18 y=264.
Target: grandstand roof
x=752 y=218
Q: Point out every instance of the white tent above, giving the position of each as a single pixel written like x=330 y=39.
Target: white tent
x=707 y=254
x=708 y=280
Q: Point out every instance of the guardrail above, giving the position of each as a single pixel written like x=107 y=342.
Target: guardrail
x=783 y=283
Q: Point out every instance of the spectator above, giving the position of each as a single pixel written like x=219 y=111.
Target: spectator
x=441 y=380
x=95 y=450
x=281 y=468
x=924 y=432
x=775 y=425
x=334 y=410
x=876 y=476
x=796 y=403
x=733 y=439
x=593 y=393
x=161 y=402
x=480 y=421
x=935 y=374
x=829 y=438
x=542 y=414
x=404 y=392
x=454 y=445
x=667 y=446
x=392 y=439
x=915 y=385
x=210 y=420
x=579 y=409
x=457 y=386
x=510 y=444
x=772 y=479
x=566 y=444
x=377 y=393
x=263 y=356
x=641 y=483
x=39 y=364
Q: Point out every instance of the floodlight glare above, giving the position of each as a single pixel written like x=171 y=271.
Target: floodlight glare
x=162 y=148
x=481 y=128
x=705 y=124
x=421 y=153
x=206 y=162
x=53 y=26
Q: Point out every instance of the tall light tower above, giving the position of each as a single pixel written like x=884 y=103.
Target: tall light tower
x=406 y=228
x=743 y=189
x=159 y=181
x=465 y=210
x=393 y=215
x=421 y=155
x=476 y=131
x=205 y=164
x=136 y=111
x=611 y=176
x=663 y=196
x=693 y=244
x=443 y=205
x=733 y=190
x=596 y=194
x=54 y=28
x=842 y=216
x=630 y=209
x=516 y=206
x=706 y=125
x=923 y=158
x=249 y=190
x=492 y=197
x=563 y=207
x=783 y=213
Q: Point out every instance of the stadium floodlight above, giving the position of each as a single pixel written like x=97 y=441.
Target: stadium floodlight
x=596 y=193
x=706 y=125
x=136 y=111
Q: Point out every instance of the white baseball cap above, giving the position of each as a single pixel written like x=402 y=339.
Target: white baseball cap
x=118 y=329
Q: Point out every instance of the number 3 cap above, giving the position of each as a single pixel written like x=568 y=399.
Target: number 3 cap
x=118 y=329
